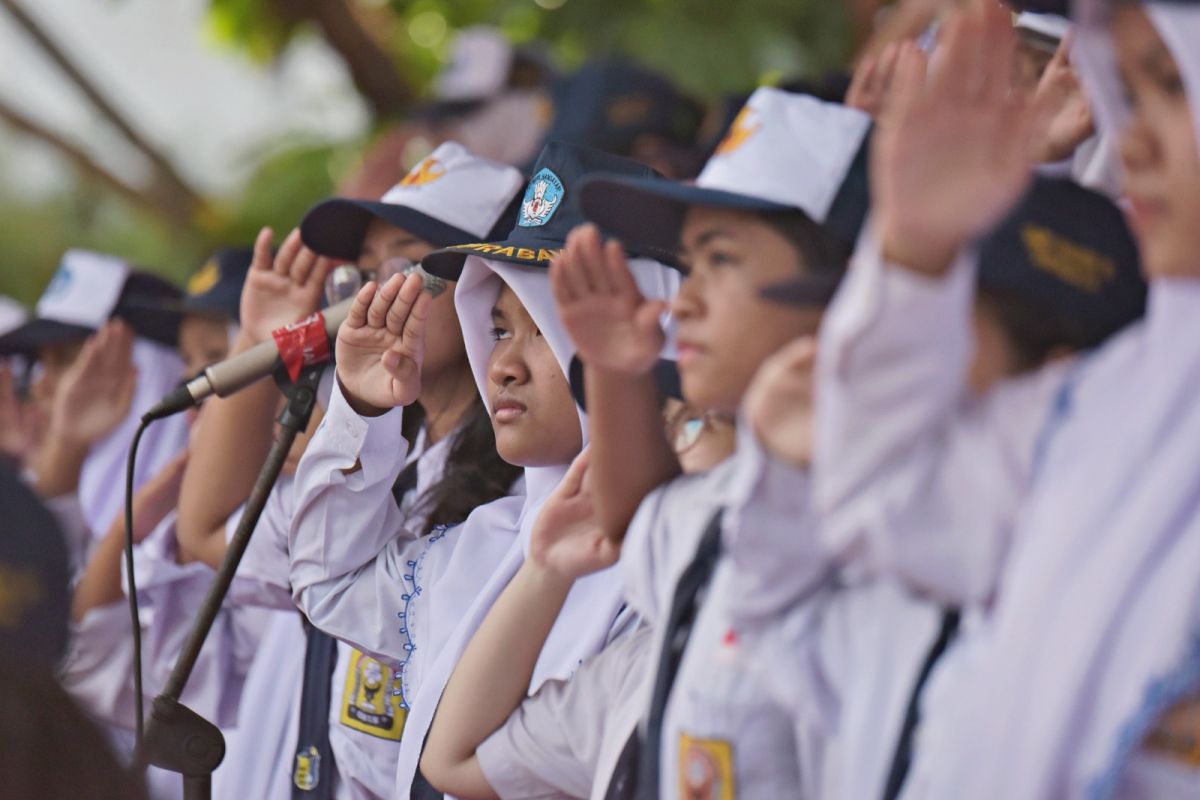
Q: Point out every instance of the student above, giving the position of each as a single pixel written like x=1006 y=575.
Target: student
x=411 y=600
x=130 y=359
x=824 y=655
x=742 y=227
x=1082 y=547
x=452 y=196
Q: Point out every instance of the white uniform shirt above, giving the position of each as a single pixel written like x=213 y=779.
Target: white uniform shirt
x=1088 y=619
x=564 y=741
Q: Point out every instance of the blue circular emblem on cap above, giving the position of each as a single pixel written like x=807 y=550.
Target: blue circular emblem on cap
x=60 y=283
x=543 y=196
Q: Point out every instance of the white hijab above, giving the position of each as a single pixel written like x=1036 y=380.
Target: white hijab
x=584 y=625
x=1097 y=629
x=102 y=480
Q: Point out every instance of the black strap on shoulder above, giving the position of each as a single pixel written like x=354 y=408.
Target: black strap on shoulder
x=902 y=756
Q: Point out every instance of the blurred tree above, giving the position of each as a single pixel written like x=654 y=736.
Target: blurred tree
x=392 y=50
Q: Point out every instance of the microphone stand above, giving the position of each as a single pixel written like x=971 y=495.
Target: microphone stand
x=177 y=738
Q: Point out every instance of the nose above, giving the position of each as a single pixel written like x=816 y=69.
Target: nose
x=507 y=365
x=1137 y=146
x=688 y=303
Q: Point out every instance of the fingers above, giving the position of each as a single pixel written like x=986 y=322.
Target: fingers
x=408 y=294
x=560 y=281
x=413 y=336
x=302 y=266
x=377 y=311
x=908 y=82
x=572 y=285
x=315 y=280
x=362 y=301
x=572 y=482
x=856 y=95
x=591 y=258
x=262 y=260
x=287 y=253
x=618 y=277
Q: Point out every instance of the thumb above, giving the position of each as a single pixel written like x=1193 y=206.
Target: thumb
x=572 y=483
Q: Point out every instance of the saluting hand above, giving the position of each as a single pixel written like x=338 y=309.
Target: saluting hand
x=1062 y=115
x=96 y=392
x=567 y=540
x=613 y=325
x=952 y=152
x=381 y=345
x=283 y=288
x=778 y=403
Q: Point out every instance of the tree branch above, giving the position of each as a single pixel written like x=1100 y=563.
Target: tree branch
x=371 y=68
x=83 y=162
x=172 y=188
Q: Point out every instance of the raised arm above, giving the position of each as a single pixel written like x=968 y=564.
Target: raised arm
x=351 y=557
x=617 y=333
x=566 y=543
x=234 y=433
x=908 y=467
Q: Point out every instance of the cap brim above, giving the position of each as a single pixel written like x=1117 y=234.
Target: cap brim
x=336 y=227
x=810 y=291
x=666 y=378
x=27 y=339
x=647 y=214
x=448 y=263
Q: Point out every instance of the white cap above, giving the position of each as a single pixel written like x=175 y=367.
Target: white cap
x=451 y=197
x=1052 y=26
x=85 y=289
x=480 y=61
x=12 y=314
x=791 y=149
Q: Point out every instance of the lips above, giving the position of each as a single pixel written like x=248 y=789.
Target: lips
x=505 y=409
x=687 y=353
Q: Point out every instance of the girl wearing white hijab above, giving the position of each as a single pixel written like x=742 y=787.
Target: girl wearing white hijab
x=420 y=602
x=1082 y=541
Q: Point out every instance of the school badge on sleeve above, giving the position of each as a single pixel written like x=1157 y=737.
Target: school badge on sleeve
x=706 y=769
x=542 y=198
x=369 y=703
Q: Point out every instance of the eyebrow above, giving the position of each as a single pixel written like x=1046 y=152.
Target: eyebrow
x=706 y=238
x=498 y=315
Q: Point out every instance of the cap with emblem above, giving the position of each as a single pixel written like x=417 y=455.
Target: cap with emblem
x=215 y=290
x=784 y=152
x=549 y=210
x=609 y=103
x=1069 y=250
x=450 y=197
x=89 y=289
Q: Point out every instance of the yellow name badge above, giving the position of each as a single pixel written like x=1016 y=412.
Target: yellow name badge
x=368 y=702
x=706 y=769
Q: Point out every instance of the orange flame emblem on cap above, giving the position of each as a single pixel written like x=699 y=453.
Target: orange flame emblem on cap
x=739 y=132
x=427 y=171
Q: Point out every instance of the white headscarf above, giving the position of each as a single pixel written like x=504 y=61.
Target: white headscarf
x=585 y=623
x=1097 y=629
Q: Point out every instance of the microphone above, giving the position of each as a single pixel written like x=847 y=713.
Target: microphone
x=296 y=346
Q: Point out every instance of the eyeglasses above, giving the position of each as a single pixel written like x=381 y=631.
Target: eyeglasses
x=344 y=281
x=685 y=427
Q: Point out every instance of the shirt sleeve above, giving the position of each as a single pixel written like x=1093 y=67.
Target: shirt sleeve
x=552 y=745
x=911 y=475
x=348 y=546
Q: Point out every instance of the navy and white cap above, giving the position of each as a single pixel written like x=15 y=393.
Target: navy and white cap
x=783 y=152
x=12 y=314
x=89 y=289
x=1043 y=30
x=215 y=289
x=450 y=197
x=549 y=210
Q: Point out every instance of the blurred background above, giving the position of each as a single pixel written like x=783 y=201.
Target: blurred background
x=157 y=130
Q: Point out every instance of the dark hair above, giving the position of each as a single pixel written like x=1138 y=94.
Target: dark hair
x=51 y=750
x=1033 y=331
x=821 y=251
x=474 y=474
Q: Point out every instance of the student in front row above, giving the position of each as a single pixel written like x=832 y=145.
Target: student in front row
x=747 y=224
x=415 y=601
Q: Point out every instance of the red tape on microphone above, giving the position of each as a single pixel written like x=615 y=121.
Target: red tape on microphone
x=302 y=344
